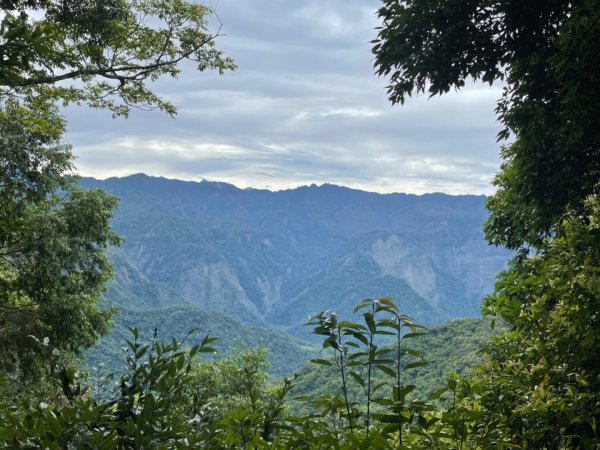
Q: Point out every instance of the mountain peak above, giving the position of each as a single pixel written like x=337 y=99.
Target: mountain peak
x=144 y=179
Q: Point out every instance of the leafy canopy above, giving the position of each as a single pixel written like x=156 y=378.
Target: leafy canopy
x=52 y=241
x=102 y=52
x=539 y=390
x=546 y=368
x=53 y=236
x=546 y=55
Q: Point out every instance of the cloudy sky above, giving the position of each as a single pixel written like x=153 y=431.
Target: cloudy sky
x=303 y=107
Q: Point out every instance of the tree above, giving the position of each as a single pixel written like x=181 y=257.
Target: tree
x=549 y=359
x=52 y=235
x=106 y=49
x=540 y=386
x=52 y=241
x=233 y=397
x=546 y=54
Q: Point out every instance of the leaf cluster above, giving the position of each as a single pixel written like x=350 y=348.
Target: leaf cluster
x=137 y=412
x=545 y=55
x=52 y=242
x=107 y=49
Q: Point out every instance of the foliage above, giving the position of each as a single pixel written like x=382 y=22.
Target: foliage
x=393 y=414
x=53 y=235
x=52 y=242
x=386 y=415
x=165 y=399
x=232 y=396
x=539 y=389
x=546 y=55
x=138 y=413
x=106 y=49
x=547 y=364
x=169 y=399
x=453 y=347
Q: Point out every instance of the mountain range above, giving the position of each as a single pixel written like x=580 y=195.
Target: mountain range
x=269 y=259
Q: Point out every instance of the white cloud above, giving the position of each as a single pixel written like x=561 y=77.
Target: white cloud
x=303 y=107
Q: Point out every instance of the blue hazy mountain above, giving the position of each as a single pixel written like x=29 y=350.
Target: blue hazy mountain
x=272 y=258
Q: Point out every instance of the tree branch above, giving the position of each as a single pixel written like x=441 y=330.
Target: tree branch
x=114 y=73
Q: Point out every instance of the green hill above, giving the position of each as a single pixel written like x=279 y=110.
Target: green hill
x=450 y=347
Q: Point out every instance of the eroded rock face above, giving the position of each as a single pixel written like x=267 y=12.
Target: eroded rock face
x=201 y=285
x=402 y=260
x=270 y=290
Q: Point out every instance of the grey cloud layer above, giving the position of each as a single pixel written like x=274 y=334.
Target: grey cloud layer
x=302 y=107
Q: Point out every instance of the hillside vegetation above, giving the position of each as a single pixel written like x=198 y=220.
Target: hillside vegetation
x=453 y=347
x=254 y=257
x=155 y=306
x=272 y=258
x=232 y=260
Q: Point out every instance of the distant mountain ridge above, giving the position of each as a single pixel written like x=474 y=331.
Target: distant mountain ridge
x=271 y=258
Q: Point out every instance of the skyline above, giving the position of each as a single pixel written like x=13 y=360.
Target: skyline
x=303 y=107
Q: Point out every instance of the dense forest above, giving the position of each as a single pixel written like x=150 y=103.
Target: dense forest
x=380 y=379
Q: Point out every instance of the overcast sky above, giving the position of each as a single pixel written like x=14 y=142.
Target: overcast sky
x=303 y=107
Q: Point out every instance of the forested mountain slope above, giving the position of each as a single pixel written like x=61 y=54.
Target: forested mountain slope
x=274 y=257
x=453 y=347
x=149 y=305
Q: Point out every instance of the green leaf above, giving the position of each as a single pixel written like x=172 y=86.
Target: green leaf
x=387 y=370
x=358 y=378
x=351 y=325
x=370 y=322
x=359 y=336
x=207 y=350
x=363 y=304
x=437 y=394
x=323 y=362
x=357 y=355
x=141 y=352
x=385 y=333
x=387 y=301
x=415 y=353
x=415 y=365
x=209 y=340
x=413 y=335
